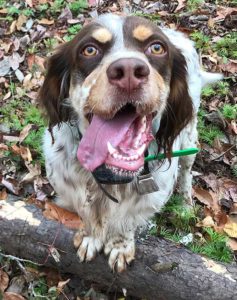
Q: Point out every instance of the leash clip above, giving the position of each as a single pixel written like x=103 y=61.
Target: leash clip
x=146 y=184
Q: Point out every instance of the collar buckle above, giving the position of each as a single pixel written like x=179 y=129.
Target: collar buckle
x=146 y=184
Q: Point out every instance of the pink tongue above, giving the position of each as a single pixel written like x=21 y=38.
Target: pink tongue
x=92 y=150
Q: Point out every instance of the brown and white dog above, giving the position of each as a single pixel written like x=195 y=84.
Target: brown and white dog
x=120 y=88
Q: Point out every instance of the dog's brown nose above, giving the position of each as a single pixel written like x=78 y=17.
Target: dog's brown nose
x=128 y=73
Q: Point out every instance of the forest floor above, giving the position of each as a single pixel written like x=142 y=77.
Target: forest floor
x=29 y=32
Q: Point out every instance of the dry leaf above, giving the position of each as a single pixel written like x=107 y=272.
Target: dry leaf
x=231 y=229
x=52 y=277
x=3 y=147
x=45 y=21
x=208 y=198
x=181 y=4
x=233 y=126
x=69 y=219
x=62 y=284
x=25 y=131
x=12 y=185
x=16 y=150
x=8 y=95
x=4 y=280
x=34 y=171
x=232 y=243
x=221 y=218
x=35 y=60
x=233 y=210
x=20 y=21
x=12 y=296
x=3 y=195
x=210 y=23
x=223 y=11
x=4 y=11
x=207 y=222
x=29 y=3
x=13 y=26
x=26 y=154
x=230 y=67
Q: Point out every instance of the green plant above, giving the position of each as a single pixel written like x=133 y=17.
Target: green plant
x=77 y=6
x=229 y=111
x=42 y=291
x=12 y=10
x=152 y=17
x=234 y=170
x=74 y=29
x=177 y=215
x=207 y=132
x=50 y=43
x=208 y=91
x=222 y=88
x=226 y=46
x=176 y=221
x=40 y=288
x=12 y=87
x=28 y=12
x=12 y=115
x=17 y=119
x=57 y=6
x=194 y=4
x=201 y=40
x=68 y=37
x=3 y=3
x=42 y=7
x=214 y=246
x=33 y=48
x=169 y=234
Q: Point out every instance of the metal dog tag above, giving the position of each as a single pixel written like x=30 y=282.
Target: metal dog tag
x=146 y=184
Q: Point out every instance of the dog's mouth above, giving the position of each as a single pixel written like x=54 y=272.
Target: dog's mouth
x=114 y=149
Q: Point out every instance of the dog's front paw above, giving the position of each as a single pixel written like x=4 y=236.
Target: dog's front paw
x=88 y=246
x=121 y=253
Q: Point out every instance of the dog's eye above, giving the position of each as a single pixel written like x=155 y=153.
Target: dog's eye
x=90 y=51
x=156 y=49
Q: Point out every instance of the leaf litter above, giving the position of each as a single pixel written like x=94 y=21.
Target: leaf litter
x=29 y=33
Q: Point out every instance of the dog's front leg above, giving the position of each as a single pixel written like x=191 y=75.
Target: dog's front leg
x=88 y=246
x=121 y=251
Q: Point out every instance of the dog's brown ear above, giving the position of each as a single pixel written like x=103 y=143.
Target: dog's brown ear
x=179 y=108
x=56 y=86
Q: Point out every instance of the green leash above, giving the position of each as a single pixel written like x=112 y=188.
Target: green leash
x=184 y=152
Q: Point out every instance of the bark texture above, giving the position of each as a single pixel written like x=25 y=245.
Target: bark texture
x=162 y=270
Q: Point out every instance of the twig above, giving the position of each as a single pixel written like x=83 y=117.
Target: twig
x=19 y=259
x=223 y=153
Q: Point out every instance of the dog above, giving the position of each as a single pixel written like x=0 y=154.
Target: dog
x=122 y=89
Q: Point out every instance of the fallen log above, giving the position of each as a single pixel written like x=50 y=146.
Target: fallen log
x=162 y=270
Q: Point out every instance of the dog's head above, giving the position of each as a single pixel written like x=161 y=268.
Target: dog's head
x=119 y=75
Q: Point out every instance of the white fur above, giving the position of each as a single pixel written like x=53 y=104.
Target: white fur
x=109 y=224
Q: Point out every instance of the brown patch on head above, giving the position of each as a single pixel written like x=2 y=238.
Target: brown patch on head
x=142 y=33
x=179 y=106
x=102 y=35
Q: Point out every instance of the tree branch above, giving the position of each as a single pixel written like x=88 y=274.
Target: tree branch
x=162 y=269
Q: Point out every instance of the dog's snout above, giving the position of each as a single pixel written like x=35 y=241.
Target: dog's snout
x=128 y=73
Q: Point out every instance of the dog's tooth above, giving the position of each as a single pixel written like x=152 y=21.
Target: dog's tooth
x=111 y=149
x=143 y=128
x=137 y=139
x=141 y=150
x=115 y=155
x=134 y=157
